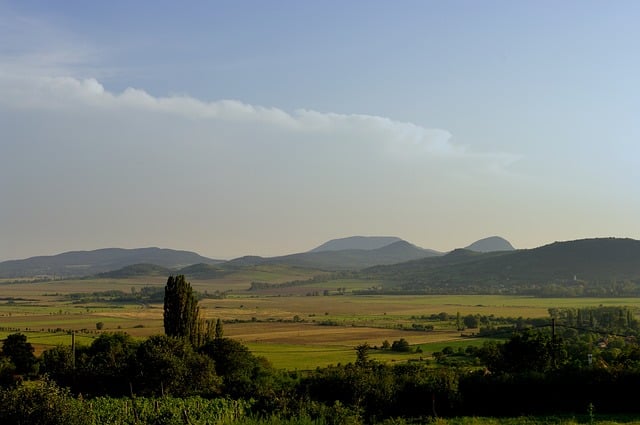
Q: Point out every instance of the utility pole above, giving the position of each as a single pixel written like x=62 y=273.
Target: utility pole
x=73 y=349
x=553 y=341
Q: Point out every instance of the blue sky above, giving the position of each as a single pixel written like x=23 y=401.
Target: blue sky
x=234 y=128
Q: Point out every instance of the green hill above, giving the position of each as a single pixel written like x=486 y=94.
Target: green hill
x=583 y=267
x=491 y=244
x=203 y=271
x=357 y=242
x=88 y=263
x=136 y=270
x=353 y=259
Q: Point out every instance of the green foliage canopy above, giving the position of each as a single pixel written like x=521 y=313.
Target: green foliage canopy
x=20 y=352
x=181 y=311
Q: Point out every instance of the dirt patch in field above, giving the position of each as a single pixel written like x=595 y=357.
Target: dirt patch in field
x=311 y=334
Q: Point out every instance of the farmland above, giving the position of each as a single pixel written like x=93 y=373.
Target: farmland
x=288 y=327
x=313 y=334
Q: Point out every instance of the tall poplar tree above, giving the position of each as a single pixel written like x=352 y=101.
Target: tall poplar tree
x=181 y=311
x=219 y=332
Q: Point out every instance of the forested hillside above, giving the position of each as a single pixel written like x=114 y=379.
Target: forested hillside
x=592 y=267
x=86 y=263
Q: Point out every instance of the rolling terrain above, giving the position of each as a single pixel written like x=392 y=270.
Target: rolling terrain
x=352 y=253
x=491 y=244
x=587 y=267
x=87 y=263
x=346 y=259
x=356 y=242
x=610 y=265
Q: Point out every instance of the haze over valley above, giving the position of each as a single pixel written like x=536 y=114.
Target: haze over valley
x=588 y=267
x=211 y=130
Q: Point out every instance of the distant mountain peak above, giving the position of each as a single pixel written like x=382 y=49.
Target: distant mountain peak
x=366 y=243
x=87 y=263
x=491 y=244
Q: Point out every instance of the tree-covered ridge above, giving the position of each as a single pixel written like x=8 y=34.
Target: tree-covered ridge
x=589 y=267
x=490 y=244
x=87 y=263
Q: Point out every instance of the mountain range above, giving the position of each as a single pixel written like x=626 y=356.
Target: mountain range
x=491 y=244
x=345 y=259
x=490 y=265
x=86 y=263
x=612 y=265
x=357 y=242
x=351 y=253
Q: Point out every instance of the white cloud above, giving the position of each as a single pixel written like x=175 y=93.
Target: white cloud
x=39 y=68
x=346 y=133
x=85 y=166
x=95 y=168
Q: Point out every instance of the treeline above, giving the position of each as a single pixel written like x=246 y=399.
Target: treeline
x=532 y=373
x=117 y=365
x=322 y=278
x=620 y=320
x=548 y=289
x=143 y=295
x=443 y=284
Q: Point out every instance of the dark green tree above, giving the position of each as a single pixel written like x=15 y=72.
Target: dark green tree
x=362 y=355
x=20 y=352
x=459 y=324
x=219 y=331
x=107 y=366
x=401 y=345
x=181 y=311
x=525 y=352
x=242 y=373
x=7 y=372
x=169 y=366
x=470 y=321
x=57 y=362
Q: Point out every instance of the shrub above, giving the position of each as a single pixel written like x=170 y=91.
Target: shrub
x=39 y=403
x=401 y=345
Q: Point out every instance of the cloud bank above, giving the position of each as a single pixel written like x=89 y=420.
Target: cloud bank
x=85 y=164
x=374 y=133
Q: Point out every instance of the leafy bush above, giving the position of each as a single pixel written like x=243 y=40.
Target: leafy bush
x=40 y=403
x=401 y=345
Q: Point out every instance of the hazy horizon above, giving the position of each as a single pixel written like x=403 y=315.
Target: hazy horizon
x=242 y=128
x=291 y=252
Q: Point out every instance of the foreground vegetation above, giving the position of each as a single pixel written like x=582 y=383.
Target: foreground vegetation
x=581 y=370
x=43 y=402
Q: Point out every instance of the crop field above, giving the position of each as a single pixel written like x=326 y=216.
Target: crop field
x=292 y=331
x=306 y=346
x=272 y=273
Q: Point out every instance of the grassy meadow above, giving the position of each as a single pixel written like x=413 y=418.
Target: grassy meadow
x=286 y=325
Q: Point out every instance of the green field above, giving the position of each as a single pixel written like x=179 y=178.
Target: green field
x=289 y=330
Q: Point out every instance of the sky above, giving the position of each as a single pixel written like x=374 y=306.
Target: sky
x=236 y=128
